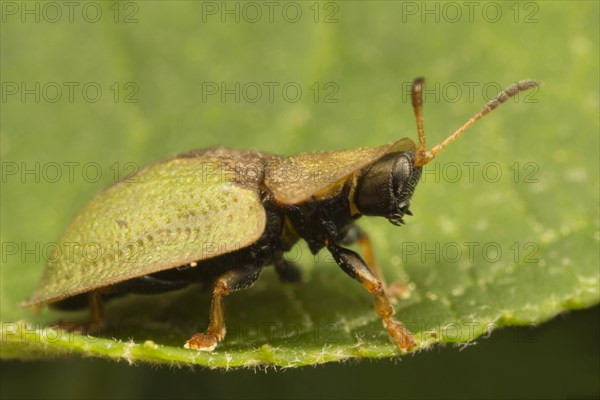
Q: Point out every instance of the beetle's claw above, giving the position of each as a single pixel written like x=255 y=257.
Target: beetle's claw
x=201 y=342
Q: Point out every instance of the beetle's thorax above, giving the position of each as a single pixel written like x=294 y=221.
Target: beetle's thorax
x=321 y=218
x=385 y=187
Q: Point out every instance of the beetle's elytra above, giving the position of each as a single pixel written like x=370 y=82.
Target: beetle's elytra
x=221 y=215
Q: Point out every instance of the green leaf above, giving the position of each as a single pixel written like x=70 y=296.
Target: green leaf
x=505 y=230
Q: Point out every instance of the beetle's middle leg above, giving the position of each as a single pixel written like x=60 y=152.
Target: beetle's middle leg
x=355 y=267
x=287 y=271
x=232 y=280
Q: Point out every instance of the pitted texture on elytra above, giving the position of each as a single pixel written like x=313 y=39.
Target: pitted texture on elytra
x=244 y=167
x=169 y=214
x=295 y=179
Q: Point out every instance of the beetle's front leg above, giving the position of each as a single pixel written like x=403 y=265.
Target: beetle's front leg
x=354 y=266
x=232 y=280
x=355 y=234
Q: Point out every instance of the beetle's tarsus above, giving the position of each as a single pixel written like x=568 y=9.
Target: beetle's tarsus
x=399 y=334
x=201 y=342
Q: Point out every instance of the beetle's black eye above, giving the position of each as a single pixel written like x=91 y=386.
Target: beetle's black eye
x=385 y=188
x=404 y=178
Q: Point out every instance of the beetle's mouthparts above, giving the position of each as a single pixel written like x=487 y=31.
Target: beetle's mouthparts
x=396 y=219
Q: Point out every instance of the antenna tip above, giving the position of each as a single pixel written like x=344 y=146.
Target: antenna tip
x=416 y=93
x=417 y=84
x=522 y=85
x=526 y=84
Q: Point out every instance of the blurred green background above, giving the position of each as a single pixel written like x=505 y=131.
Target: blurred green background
x=155 y=64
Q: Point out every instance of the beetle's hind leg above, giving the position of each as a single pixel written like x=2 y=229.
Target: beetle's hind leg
x=355 y=267
x=232 y=280
x=97 y=310
x=97 y=320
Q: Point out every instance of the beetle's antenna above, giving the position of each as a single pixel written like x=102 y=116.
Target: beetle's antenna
x=423 y=157
x=416 y=92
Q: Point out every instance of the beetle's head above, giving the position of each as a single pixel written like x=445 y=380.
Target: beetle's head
x=385 y=187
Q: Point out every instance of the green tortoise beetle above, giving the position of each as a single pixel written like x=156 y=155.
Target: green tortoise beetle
x=220 y=215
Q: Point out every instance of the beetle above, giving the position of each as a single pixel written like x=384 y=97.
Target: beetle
x=220 y=215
